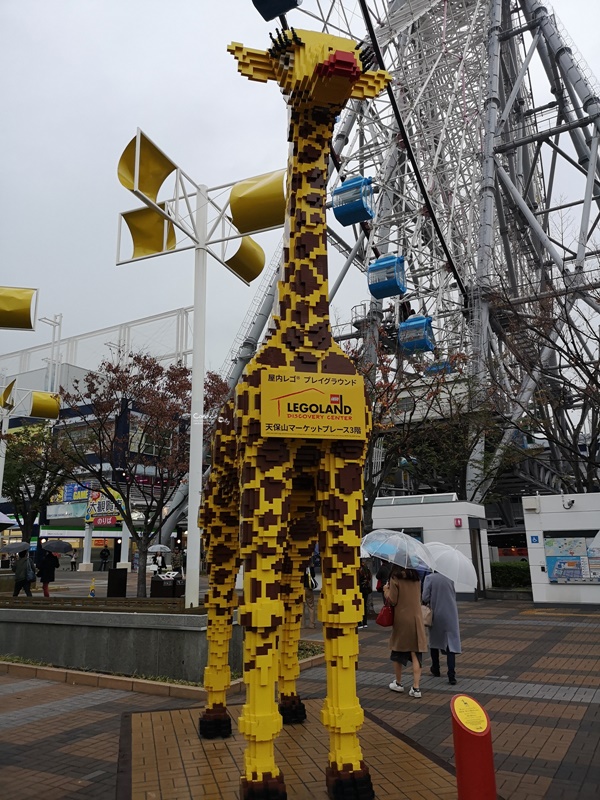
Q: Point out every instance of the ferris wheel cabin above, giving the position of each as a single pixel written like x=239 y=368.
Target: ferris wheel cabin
x=386 y=277
x=353 y=201
x=416 y=335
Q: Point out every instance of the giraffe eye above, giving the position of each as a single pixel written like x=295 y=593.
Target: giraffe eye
x=286 y=60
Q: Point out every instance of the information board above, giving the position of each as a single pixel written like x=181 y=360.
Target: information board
x=572 y=556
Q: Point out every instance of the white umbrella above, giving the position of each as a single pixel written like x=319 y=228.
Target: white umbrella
x=453 y=564
x=159 y=548
x=398 y=548
x=6 y=522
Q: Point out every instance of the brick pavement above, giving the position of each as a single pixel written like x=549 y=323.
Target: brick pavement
x=534 y=670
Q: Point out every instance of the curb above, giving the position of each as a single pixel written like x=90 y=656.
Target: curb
x=102 y=680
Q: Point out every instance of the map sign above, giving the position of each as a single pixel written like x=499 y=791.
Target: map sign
x=573 y=556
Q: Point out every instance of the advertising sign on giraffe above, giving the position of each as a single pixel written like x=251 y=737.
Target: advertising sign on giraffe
x=312 y=405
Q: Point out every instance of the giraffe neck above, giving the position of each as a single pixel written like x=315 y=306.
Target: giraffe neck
x=303 y=290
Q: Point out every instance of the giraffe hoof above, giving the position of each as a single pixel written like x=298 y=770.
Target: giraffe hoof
x=349 y=784
x=267 y=789
x=292 y=709
x=214 y=724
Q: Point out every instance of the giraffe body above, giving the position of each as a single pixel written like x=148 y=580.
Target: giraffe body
x=272 y=494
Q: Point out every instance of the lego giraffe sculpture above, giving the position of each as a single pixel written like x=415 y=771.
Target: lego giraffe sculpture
x=276 y=489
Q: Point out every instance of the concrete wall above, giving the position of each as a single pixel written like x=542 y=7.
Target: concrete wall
x=164 y=645
x=439 y=523
x=548 y=513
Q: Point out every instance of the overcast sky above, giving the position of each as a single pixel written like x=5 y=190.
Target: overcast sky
x=78 y=78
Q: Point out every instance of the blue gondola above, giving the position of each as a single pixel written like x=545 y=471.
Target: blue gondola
x=439 y=367
x=269 y=9
x=353 y=201
x=386 y=277
x=416 y=335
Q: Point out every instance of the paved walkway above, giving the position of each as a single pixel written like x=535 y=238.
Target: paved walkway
x=533 y=669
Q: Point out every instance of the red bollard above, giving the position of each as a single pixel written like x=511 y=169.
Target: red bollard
x=473 y=755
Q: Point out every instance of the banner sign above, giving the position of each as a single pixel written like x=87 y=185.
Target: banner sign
x=101 y=508
x=572 y=556
x=312 y=405
x=70 y=493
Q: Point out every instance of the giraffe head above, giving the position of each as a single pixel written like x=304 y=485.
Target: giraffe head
x=312 y=69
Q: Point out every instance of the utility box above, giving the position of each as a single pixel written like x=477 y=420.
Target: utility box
x=179 y=587
x=117 y=582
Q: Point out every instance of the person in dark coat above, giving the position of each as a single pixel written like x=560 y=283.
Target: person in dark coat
x=365 y=585
x=408 y=640
x=104 y=556
x=22 y=580
x=444 y=633
x=46 y=571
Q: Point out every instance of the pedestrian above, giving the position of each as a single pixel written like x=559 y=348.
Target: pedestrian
x=309 y=582
x=104 y=556
x=382 y=575
x=159 y=562
x=444 y=633
x=49 y=564
x=176 y=560
x=24 y=574
x=74 y=557
x=365 y=586
x=408 y=640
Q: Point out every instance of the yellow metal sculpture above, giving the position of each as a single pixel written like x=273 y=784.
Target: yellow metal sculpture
x=288 y=476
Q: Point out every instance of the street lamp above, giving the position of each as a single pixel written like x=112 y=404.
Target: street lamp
x=203 y=222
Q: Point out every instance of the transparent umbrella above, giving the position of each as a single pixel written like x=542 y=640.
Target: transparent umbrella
x=453 y=564
x=398 y=548
x=159 y=548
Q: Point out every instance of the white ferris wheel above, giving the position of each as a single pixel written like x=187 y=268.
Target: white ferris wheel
x=480 y=237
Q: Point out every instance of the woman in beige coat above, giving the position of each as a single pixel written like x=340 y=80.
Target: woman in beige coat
x=408 y=640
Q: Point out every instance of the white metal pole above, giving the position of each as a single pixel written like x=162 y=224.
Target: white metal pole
x=192 y=582
x=4 y=429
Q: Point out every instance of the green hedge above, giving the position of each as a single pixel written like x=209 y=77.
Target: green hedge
x=510 y=574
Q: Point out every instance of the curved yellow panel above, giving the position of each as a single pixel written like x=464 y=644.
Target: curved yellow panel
x=249 y=260
x=16 y=307
x=5 y=401
x=44 y=405
x=258 y=202
x=150 y=232
x=154 y=167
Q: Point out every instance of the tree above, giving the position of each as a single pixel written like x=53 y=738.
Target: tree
x=35 y=468
x=127 y=427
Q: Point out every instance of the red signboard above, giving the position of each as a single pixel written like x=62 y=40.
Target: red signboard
x=104 y=522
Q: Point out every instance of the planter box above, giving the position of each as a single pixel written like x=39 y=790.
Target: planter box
x=165 y=645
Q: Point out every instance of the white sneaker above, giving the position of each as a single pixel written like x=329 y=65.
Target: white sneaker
x=414 y=692
x=397 y=687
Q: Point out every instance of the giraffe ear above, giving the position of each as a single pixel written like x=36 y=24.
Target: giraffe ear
x=254 y=64
x=370 y=84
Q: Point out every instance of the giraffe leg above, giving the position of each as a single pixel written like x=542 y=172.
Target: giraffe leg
x=221 y=527
x=266 y=486
x=340 y=493
x=302 y=537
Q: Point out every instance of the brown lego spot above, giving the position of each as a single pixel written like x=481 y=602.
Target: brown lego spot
x=242 y=400
x=345 y=582
x=348 y=449
x=272 y=488
x=319 y=336
x=349 y=478
x=271 y=356
x=304 y=245
x=334 y=508
x=293 y=338
x=301 y=313
x=338 y=363
x=316 y=178
x=305 y=362
x=314 y=200
x=308 y=154
x=333 y=633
